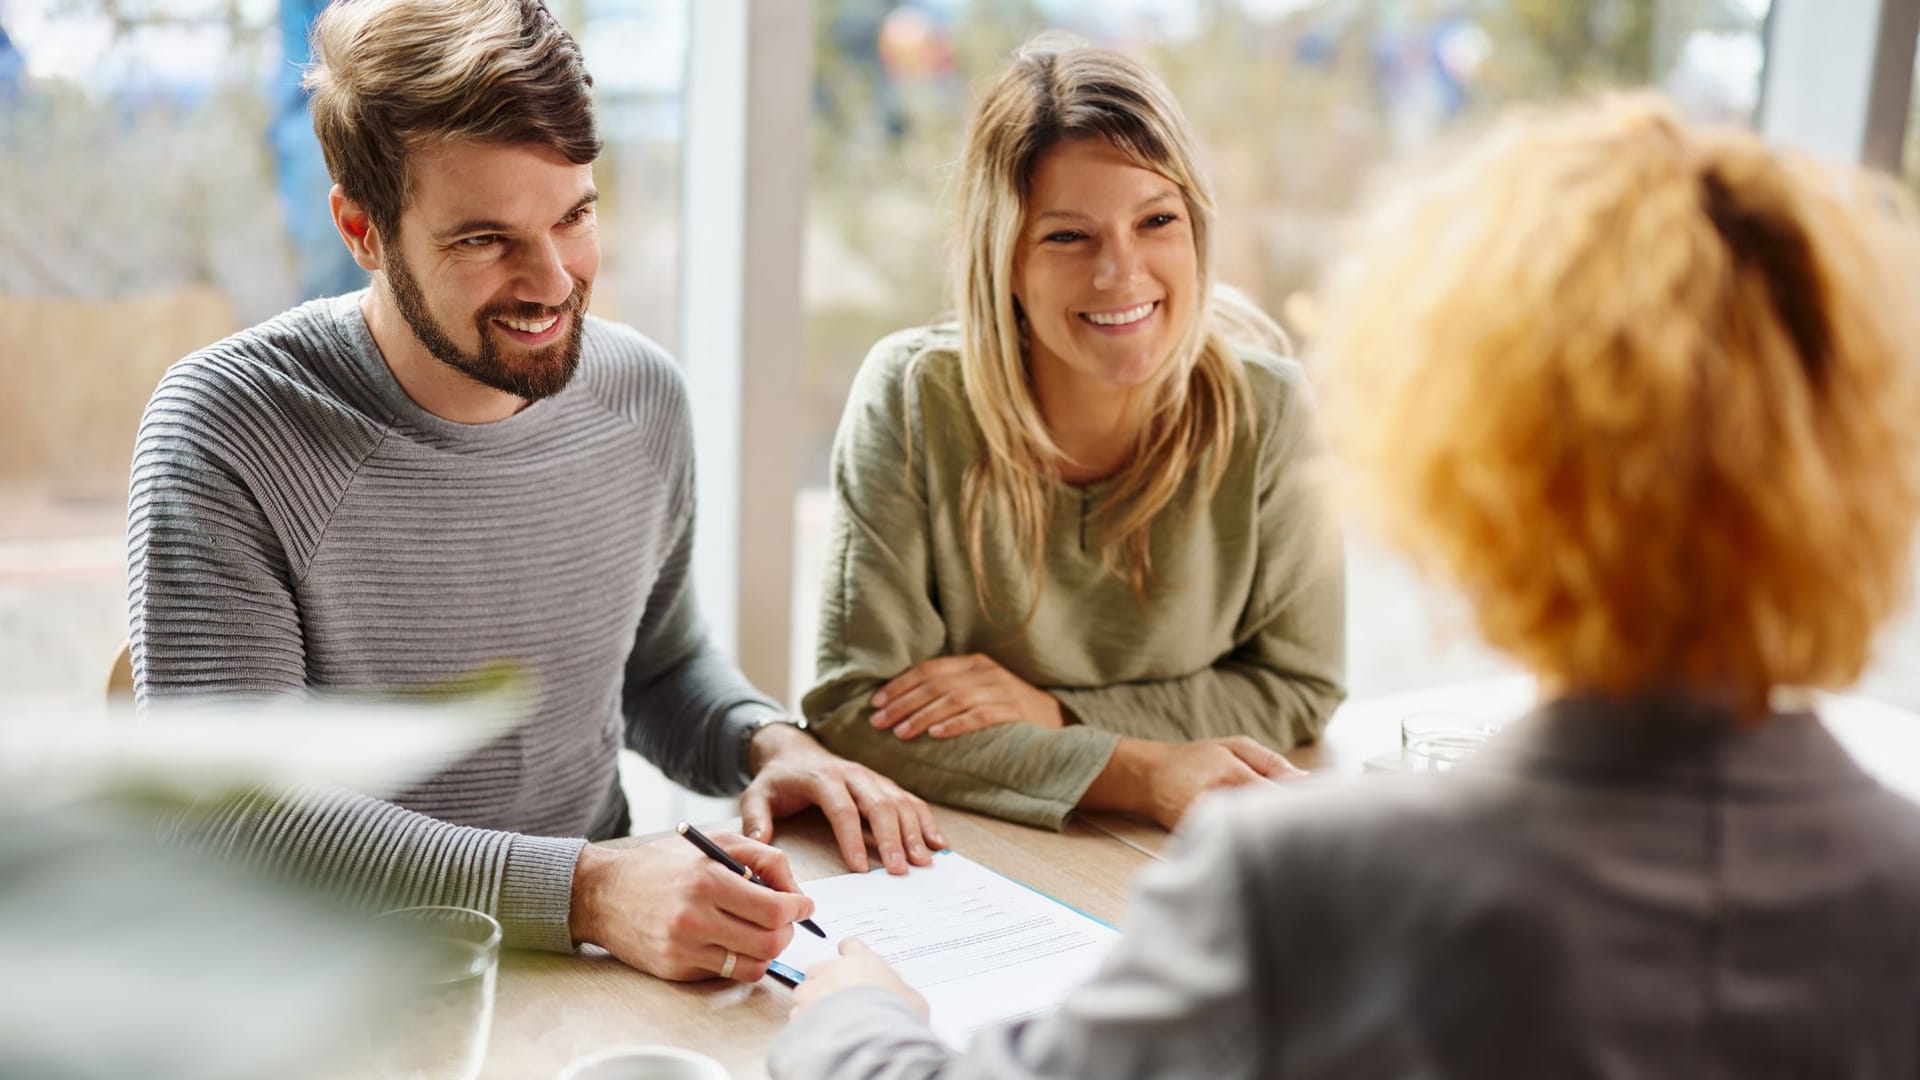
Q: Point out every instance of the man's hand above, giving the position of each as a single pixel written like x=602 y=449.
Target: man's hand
x=1160 y=780
x=791 y=772
x=667 y=909
x=857 y=965
x=953 y=695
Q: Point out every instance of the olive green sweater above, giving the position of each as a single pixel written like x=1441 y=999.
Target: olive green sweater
x=1242 y=630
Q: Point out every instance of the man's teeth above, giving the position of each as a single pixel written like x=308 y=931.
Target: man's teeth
x=1119 y=318
x=525 y=327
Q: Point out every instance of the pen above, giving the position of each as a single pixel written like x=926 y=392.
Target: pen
x=699 y=839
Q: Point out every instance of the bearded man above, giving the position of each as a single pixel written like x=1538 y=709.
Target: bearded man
x=387 y=490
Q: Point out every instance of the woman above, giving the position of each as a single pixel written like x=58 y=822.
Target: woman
x=1647 y=394
x=1073 y=561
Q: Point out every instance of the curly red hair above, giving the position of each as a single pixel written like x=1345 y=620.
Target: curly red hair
x=1648 y=393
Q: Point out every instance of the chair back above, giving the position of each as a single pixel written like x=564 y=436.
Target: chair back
x=120 y=676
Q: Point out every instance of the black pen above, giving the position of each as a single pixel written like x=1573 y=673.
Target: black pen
x=699 y=839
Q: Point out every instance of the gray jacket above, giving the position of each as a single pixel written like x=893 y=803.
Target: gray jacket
x=1609 y=891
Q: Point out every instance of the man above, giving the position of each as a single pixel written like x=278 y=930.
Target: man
x=389 y=489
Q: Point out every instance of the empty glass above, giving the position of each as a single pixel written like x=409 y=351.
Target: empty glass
x=440 y=1032
x=1436 y=741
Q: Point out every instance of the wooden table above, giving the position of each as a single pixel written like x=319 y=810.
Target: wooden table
x=1884 y=739
x=552 y=1008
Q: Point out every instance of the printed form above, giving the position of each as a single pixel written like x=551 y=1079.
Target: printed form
x=982 y=948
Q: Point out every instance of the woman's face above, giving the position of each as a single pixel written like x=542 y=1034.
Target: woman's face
x=1104 y=268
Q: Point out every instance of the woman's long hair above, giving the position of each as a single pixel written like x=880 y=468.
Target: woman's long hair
x=1057 y=90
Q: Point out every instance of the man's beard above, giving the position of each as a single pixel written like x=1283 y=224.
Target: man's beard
x=538 y=374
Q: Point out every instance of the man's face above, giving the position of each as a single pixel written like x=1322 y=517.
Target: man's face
x=494 y=261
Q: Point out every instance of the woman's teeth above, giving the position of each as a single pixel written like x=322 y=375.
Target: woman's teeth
x=1120 y=318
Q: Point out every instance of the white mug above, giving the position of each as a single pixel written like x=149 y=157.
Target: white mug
x=643 y=1063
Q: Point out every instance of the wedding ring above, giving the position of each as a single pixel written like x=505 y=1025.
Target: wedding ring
x=726 y=969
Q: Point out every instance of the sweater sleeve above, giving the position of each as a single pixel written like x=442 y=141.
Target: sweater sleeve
x=684 y=704
x=213 y=612
x=379 y=856
x=687 y=708
x=210 y=580
x=878 y=618
x=1284 y=676
x=1178 y=997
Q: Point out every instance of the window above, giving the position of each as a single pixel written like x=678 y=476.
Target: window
x=1294 y=102
x=1910 y=150
x=163 y=190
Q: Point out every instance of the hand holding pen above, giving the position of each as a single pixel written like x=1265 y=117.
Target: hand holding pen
x=699 y=839
x=661 y=907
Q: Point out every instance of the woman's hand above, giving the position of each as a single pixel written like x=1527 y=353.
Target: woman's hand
x=857 y=965
x=953 y=695
x=1160 y=780
x=1186 y=770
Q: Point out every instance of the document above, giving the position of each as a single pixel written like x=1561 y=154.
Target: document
x=982 y=948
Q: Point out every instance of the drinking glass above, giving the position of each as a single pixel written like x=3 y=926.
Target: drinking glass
x=440 y=1030
x=1436 y=741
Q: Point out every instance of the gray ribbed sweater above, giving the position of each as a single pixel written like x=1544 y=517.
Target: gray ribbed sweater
x=295 y=521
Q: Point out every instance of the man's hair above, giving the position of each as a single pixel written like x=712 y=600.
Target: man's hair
x=1647 y=393
x=390 y=75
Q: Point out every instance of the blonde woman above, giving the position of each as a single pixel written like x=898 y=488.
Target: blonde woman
x=1647 y=394
x=1074 y=562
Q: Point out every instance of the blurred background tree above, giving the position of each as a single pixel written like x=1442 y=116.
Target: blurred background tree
x=1296 y=102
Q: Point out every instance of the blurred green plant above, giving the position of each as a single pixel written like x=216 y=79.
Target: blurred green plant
x=132 y=950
